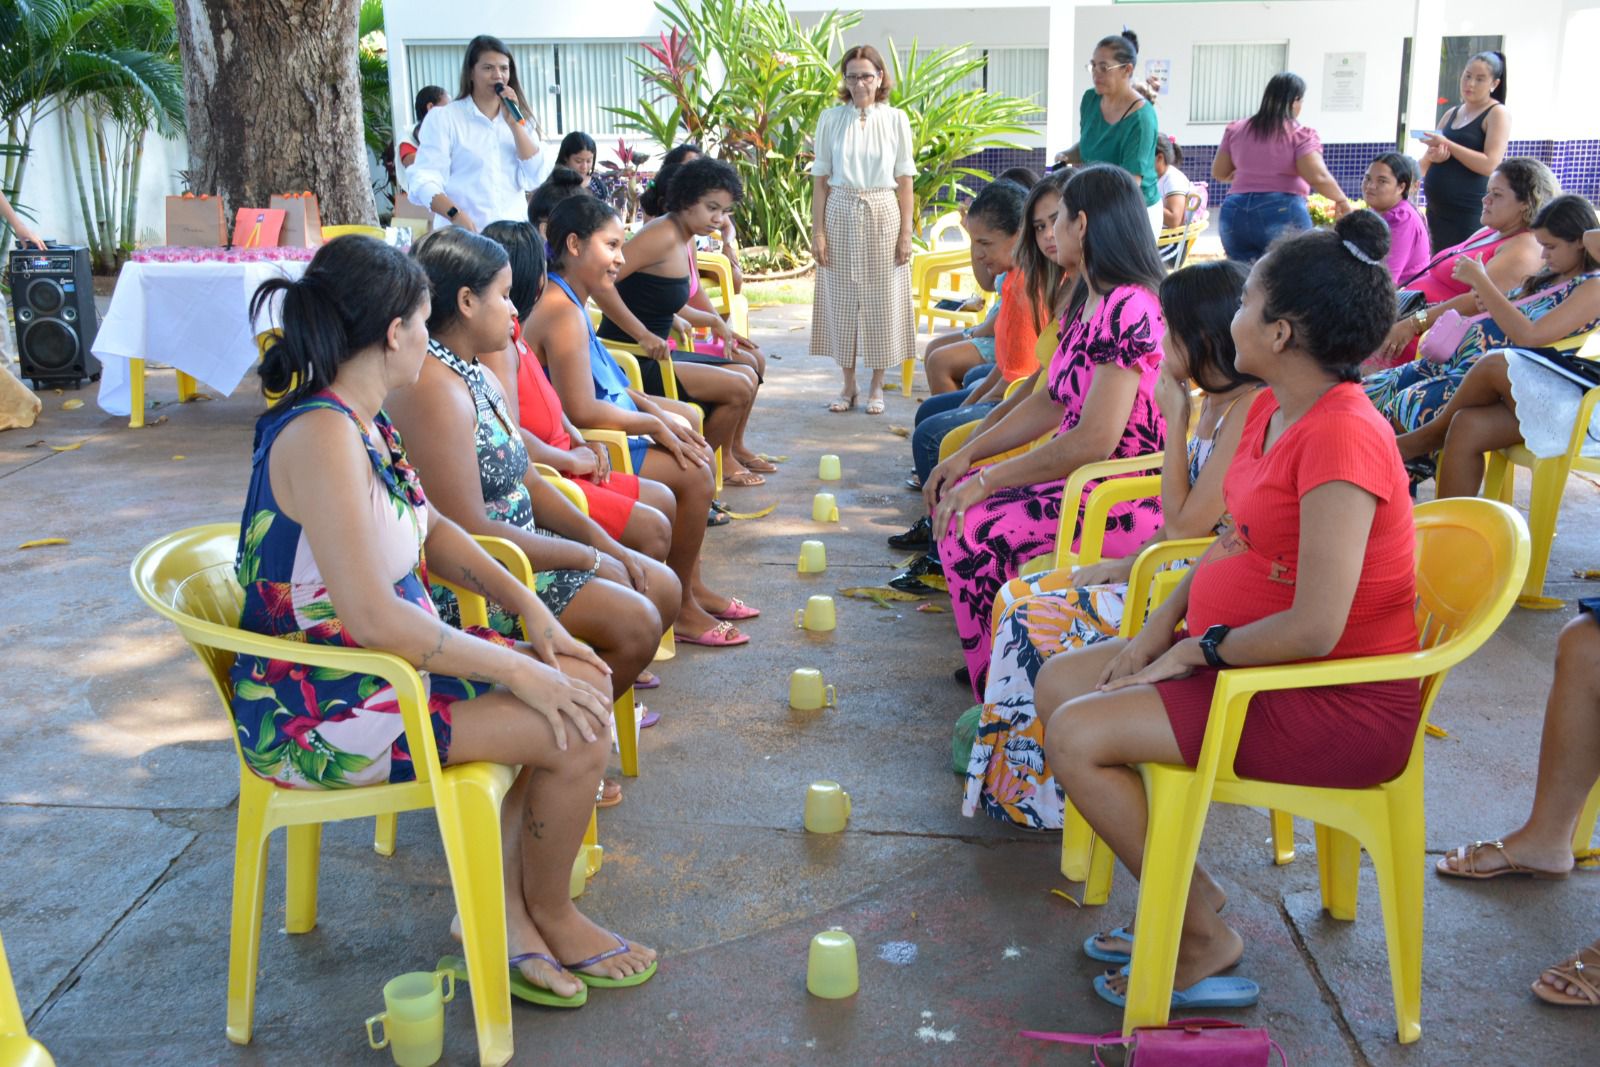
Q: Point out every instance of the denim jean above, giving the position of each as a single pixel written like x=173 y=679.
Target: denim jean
x=1250 y=221
x=930 y=431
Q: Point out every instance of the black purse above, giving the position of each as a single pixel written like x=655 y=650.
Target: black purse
x=1408 y=302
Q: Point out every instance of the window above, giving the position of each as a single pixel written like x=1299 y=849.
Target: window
x=568 y=85
x=1229 y=79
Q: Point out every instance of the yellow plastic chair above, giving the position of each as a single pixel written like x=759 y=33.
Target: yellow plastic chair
x=354 y=229
x=1549 y=481
x=628 y=357
x=1472 y=556
x=1584 y=834
x=1095 y=510
x=188 y=578
x=17 y=1049
x=734 y=308
x=927 y=268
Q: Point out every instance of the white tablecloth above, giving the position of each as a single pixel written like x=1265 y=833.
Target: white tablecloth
x=195 y=316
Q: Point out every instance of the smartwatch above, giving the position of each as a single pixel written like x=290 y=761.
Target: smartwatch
x=453 y=212
x=1209 y=642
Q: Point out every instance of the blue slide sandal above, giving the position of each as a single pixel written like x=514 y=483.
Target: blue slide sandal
x=1095 y=952
x=1217 y=991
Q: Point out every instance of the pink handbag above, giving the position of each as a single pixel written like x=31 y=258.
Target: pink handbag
x=1181 y=1043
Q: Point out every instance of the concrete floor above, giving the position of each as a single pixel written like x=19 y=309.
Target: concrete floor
x=119 y=780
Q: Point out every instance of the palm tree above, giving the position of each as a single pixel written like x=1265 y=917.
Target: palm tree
x=55 y=54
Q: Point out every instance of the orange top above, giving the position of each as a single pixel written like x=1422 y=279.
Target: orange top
x=1015 y=335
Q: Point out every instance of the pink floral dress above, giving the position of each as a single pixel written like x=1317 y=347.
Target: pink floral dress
x=1016 y=524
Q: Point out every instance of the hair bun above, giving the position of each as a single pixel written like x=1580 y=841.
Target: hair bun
x=1133 y=38
x=565 y=177
x=1367 y=231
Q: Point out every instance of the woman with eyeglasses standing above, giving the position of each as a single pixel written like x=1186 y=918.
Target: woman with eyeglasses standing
x=861 y=221
x=1116 y=122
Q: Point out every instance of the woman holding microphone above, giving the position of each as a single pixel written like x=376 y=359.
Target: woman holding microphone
x=478 y=156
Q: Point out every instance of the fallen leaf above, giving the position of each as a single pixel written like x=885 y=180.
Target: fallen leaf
x=176 y=458
x=1068 y=897
x=935 y=581
x=880 y=595
x=1436 y=731
x=794 y=329
x=772 y=459
x=67 y=448
x=71 y=405
x=1588 y=575
x=1588 y=859
x=763 y=513
x=156 y=421
x=201 y=396
x=45 y=541
x=931 y=608
x=900 y=431
x=34 y=444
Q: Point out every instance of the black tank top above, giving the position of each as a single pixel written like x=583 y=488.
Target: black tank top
x=653 y=299
x=1451 y=182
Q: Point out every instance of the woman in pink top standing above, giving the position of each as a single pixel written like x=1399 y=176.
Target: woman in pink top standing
x=1273 y=162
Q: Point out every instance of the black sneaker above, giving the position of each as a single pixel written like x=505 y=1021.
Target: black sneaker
x=910 y=579
x=919 y=536
x=962 y=676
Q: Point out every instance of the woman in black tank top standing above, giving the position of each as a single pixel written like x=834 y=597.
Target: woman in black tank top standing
x=1469 y=145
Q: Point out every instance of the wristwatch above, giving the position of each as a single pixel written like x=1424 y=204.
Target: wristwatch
x=1209 y=642
x=453 y=212
x=1421 y=319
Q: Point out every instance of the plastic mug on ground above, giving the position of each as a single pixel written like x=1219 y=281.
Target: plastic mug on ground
x=827 y=808
x=808 y=693
x=828 y=469
x=831 y=966
x=824 y=508
x=813 y=557
x=413 y=1017
x=817 y=616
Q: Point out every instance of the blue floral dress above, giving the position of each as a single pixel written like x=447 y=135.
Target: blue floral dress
x=313 y=727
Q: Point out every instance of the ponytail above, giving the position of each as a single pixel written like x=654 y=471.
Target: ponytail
x=352 y=290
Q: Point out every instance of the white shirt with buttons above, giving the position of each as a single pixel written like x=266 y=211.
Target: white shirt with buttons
x=472 y=159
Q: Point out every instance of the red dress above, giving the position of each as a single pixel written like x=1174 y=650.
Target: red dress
x=539 y=411
x=1347 y=736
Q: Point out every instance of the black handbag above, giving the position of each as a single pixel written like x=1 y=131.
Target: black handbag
x=1408 y=302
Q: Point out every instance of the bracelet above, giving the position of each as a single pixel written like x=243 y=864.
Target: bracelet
x=594 y=568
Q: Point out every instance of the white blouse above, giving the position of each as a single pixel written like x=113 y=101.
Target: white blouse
x=859 y=155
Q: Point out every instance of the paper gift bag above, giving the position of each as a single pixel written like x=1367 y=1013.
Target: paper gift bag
x=196 y=221
x=258 y=227
x=302 y=227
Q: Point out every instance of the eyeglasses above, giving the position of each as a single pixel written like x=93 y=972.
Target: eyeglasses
x=1104 y=68
x=860 y=77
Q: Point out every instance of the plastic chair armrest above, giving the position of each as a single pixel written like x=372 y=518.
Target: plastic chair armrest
x=616 y=445
x=1106 y=495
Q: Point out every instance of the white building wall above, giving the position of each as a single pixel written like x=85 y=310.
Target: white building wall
x=51 y=194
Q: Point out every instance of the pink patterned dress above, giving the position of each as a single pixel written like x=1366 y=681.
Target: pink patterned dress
x=1016 y=524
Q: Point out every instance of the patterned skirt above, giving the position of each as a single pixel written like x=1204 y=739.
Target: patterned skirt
x=861 y=312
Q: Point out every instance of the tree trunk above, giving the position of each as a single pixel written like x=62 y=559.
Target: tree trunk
x=274 y=101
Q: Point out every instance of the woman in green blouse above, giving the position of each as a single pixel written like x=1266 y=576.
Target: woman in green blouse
x=1116 y=124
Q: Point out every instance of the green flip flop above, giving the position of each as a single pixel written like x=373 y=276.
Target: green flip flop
x=602 y=982
x=521 y=988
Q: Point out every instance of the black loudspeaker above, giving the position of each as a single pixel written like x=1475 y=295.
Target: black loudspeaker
x=52 y=298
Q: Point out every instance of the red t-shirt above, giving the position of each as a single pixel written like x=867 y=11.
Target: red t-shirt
x=538 y=405
x=1250 y=572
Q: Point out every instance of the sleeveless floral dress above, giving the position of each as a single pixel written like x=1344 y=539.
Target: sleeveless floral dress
x=502 y=466
x=313 y=727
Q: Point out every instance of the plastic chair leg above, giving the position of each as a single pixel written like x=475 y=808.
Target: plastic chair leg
x=249 y=896
x=1544 y=506
x=188 y=388
x=301 y=865
x=1077 y=842
x=1398 y=862
x=908 y=372
x=136 y=394
x=1178 y=809
x=1339 y=867
x=383 y=834
x=1584 y=834
x=1499 y=477
x=717 y=469
x=469 y=823
x=1102 y=866
x=668 y=649
x=627 y=733
x=1282 y=838
x=593 y=852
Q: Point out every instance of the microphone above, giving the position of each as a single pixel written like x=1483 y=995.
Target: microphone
x=510 y=102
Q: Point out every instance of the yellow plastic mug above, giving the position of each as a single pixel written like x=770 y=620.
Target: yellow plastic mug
x=824 y=508
x=827 y=808
x=831 y=966
x=413 y=1017
x=813 y=557
x=806 y=691
x=817 y=616
x=829 y=469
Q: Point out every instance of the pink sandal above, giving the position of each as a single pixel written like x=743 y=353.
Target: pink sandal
x=722 y=635
x=736 y=611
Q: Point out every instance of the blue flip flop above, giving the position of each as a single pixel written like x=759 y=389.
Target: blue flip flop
x=597 y=981
x=1094 y=952
x=1218 y=991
